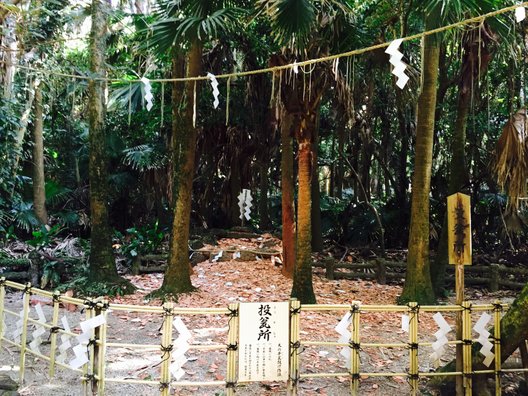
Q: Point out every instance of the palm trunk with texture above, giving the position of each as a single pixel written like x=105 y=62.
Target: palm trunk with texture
x=177 y=275
x=418 y=286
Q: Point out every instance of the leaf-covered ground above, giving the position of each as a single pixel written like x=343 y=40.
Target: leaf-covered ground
x=221 y=283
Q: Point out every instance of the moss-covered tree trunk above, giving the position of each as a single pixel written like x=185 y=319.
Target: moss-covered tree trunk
x=288 y=188
x=101 y=263
x=302 y=278
x=39 y=189
x=177 y=275
x=418 y=286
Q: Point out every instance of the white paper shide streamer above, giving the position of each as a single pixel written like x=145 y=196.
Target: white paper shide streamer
x=441 y=339
x=396 y=60
x=81 y=350
x=244 y=203
x=342 y=329
x=148 y=92
x=65 y=341
x=480 y=328
x=18 y=327
x=182 y=346
x=520 y=14
x=39 y=331
x=216 y=92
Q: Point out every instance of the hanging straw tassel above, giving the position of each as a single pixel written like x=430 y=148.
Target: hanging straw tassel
x=227 y=99
x=129 y=103
x=194 y=106
x=162 y=103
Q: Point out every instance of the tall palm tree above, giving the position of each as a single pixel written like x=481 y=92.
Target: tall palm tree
x=418 y=286
x=307 y=29
x=183 y=27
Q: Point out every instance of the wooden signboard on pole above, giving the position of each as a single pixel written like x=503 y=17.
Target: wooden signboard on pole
x=459 y=248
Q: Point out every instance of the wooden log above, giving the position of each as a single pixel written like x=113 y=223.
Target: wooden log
x=16 y=276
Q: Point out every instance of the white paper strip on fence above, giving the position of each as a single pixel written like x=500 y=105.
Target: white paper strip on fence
x=480 y=328
x=39 y=331
x=81 y=356
x=236 y=255
x=405 y=323
x=441 y=339
x=81 y=350
x=18 y=327
x=65 y=341
x=182 y=346
x=216 y=92
x=342 y=328
x=520 y=14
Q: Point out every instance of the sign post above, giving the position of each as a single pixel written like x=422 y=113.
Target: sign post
x=459 y=248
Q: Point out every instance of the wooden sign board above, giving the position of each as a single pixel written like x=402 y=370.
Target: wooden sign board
x=459 y=228
x=263 y=352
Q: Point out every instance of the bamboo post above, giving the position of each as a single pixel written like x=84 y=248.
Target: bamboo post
x=88 y=368
x=100 y=350
x=2 y=302
x=166 y=348
x=295 y=310
x=466 y=347
x=232 y=350
x=23 y=338
x=413 y=347
x=355 y=345
x=53 y=333
x=497 y=348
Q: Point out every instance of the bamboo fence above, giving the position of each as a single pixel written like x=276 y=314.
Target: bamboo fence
x=94 y=372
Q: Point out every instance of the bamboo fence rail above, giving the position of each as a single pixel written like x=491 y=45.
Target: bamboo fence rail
x=94 y=373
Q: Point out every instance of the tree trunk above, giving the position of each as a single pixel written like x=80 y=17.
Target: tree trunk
x=101 y=263
x=302 y=278
x=177 y=275
x=418 y=286
x=288 y=188
x=341 y=133
x=39 y=189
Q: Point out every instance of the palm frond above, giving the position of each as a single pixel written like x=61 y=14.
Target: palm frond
x=144 y=157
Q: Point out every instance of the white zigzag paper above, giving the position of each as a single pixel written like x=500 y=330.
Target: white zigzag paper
x=182 y=346
x=216 y=92
x=148 y=92
x=39 y=331
x=520 y=14
x=441 y=339
x=480 y=328
x=65 y=341
x=342 y=329
x=396 y=60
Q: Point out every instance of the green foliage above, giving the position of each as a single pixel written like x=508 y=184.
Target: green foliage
x=142 y=240
x=43 y=236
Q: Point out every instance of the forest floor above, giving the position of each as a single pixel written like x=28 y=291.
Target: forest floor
x=221 y=283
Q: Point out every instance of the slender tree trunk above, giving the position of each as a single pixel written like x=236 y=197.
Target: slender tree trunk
x=302 y=279
x=177 y=275
x=39 y=190
x=288 y=188
x=418 y=286
x=341 y=132
x=101 y=262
